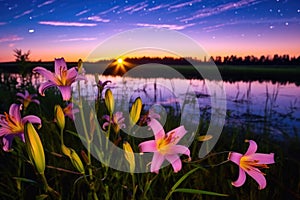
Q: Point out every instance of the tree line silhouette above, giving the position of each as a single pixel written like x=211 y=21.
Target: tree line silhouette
x=253 y=60
x=218 y=60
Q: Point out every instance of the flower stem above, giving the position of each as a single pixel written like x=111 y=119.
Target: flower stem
x=134 y=187
x=48 y=189
x=88 y=140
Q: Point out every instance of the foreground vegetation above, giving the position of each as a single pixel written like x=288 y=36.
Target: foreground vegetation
x=206 y=178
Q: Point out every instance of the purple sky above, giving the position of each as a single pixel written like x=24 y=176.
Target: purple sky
x=73 y=29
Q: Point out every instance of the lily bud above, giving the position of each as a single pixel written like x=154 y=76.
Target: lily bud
x=80 y=66
x=76 y=161
x=66 y=150
x=34 y=148
x=135 y=111
x=129 y=155
x=109 y=101
x=59 y=116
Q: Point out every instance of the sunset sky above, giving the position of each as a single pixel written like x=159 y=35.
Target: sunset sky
x=72 y=29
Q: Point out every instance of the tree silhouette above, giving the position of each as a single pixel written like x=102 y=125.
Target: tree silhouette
x=23 y=61
x=21 y=57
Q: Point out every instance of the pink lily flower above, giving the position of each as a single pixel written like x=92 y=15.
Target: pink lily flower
x=62 y=78
x=165 y=146
x=69 y=111
x=151 y=114
x=250 y=163
x=27 y=98
x=117 y=121
x=12 y=125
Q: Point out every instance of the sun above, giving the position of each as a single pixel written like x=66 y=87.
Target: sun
x=120 y=61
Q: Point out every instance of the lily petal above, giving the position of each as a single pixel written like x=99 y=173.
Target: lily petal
x=259 y=177
x=252 y=147
x=241 y=179
x=46 y=73
x=157 y=129
x=179 y=133
x=262 y=158
x=235 y=157
x=4 y=131
x=175 y=161
x=58 y=64
x=65 y=92
x=32 y=119
x=36 y=101
x=45 y=86
x=105 y=124
x=71 y=75
x=7 y=142
x=148 y=146
x=179 y=149
x=14 y=111
x=157 y=161
x=20 y=95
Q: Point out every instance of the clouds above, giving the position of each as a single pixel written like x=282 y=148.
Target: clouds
x=82 y=12
x=134 y=8
x=24 y=13
x=181 y=5
x=97 y=19
x=10 y=38
x=77 y=39
x=158 y=7
x=60 y=23
x=220 y=9
x=45 y=3
x=109 y=10
x=167 y=26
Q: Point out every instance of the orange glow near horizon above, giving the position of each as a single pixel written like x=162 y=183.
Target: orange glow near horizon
x=72 y=53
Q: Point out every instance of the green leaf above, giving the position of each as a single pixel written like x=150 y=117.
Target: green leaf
x=183 y=178
x=194 y=191
x=25 y=180
x=180 y=181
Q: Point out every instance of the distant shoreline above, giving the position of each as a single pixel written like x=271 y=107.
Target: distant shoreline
x=275 y=73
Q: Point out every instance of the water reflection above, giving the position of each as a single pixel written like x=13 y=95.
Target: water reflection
x=266 y=106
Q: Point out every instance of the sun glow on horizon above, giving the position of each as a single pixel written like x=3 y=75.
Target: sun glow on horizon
x=120 y=61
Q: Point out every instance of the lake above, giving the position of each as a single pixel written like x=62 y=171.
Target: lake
x=264 y=106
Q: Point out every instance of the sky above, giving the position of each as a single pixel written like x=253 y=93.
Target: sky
x=73 y=29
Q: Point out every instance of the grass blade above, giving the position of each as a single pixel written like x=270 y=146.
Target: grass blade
x=194 y=191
